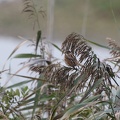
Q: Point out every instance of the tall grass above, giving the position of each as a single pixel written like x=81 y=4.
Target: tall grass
x=80 y=87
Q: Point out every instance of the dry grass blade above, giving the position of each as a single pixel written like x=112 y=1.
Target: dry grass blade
x=3 y=71
x=7 y=81
x=16 y=48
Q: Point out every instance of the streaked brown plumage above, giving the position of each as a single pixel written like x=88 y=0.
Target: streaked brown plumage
x=70 y=59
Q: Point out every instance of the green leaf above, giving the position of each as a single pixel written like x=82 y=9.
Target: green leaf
x=93 y=98
x=76 y=109
x=17 y=92
x=19 y=84
x=96 y=84
x=24 y=91
x=56 y=46
x=37 y=97
x=32 y=78
x=25 y=88
x=56 y=106
x=38 y=38
x=97 y=44
x=45 y=97
x=29 y=100
x=29 y=107
x=101 y=114
x=26 y=56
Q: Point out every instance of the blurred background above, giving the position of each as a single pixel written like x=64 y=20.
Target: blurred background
x=94 y=19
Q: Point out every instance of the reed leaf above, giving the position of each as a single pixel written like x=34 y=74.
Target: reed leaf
x=16 y=48
x=19 y=84
x=38 y=39
x=76 y=109
x=56 y=46
x=37 y=97
x=26 y=56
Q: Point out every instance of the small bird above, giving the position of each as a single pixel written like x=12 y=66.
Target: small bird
x=70 y=59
